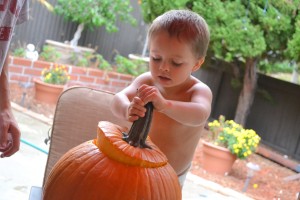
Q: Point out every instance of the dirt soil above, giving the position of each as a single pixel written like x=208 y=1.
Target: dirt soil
x=268 y=183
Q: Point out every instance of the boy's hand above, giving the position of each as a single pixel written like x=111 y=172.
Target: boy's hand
x=151 y=94
x=136 y=109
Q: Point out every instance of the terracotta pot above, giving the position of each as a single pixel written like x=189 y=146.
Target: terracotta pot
x=47 y=93
x=217 y=159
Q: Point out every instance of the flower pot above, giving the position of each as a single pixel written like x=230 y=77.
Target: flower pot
x=217 y=159
x=47 y=93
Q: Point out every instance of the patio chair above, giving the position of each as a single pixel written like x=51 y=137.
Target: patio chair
x=78 y=111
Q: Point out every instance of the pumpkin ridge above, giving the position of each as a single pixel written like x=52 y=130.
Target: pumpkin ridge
x=63 y=165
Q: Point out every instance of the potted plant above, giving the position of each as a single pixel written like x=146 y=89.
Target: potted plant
x=48 y=88
x=230 y=141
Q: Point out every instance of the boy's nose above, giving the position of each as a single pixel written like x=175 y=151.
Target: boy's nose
x=164 y=67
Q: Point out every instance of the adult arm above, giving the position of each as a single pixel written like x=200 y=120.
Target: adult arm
x=9 y=130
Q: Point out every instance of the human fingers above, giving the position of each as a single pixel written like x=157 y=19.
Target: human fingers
x=136 y=109
x=13 y=142
x=8 y=145
x=133 y=118
x=152 y=94
x=3 y=134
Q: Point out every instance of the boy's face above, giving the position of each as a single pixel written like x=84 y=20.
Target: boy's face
x=171 y=60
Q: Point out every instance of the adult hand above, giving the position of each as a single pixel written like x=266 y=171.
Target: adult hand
x=9 y=133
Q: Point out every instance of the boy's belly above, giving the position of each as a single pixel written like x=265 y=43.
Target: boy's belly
x=177 y=142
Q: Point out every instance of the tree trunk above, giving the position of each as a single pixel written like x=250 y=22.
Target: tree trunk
x=77 y=35
x=248 y=92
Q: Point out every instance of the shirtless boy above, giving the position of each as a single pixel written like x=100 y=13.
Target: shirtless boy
x=178 y=41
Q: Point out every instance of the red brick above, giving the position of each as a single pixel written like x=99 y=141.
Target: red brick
x=78 y=70
x=118 y=84
x=74 y=77
x=15 y=69
x=22 y=61
x=19 y=78
x=10 y=58
x=101 y=81
x=41 y=64
x=96 y=72
x=126 y=77
x=36 y=72
x=86 y=79
x=113 y=75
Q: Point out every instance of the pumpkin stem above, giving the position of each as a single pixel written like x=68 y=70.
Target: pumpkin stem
x=140 y=128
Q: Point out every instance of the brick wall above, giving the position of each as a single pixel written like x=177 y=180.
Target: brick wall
x=23 y=71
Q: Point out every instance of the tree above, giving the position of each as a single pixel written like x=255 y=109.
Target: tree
x=293 y=50
x=94 y=13
x=242 y=33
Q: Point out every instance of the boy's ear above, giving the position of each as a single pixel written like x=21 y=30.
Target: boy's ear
x=198 y=64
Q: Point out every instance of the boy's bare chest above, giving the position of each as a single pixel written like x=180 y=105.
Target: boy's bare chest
x=170 y=130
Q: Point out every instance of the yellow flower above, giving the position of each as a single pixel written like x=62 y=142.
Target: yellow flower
x=227 y=133
x=55 y=75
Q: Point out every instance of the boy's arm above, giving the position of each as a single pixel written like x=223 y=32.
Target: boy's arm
x=194 y=113
x=127 y=99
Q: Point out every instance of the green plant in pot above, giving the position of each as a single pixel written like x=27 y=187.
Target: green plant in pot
x=132 y=67
x=49 y=54
x=229 y=141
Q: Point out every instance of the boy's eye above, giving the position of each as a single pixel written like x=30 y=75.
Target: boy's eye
x=156 y=59
x=177 y=64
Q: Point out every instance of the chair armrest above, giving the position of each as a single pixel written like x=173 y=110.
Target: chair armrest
x=35 y=193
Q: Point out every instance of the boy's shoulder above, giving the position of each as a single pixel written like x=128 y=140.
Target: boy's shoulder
x=145 y=78
x=200 y=87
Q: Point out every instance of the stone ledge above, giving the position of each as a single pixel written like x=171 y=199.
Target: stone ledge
x=32 y=114
x=216 y=187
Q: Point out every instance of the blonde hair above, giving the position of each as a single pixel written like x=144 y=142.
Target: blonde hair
x=185 y=25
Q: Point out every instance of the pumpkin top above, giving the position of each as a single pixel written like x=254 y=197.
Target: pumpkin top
x=110 y=142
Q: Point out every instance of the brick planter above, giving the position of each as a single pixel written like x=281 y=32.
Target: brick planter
x=23 y=71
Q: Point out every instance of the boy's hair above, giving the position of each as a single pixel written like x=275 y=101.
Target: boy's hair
x=185 y=25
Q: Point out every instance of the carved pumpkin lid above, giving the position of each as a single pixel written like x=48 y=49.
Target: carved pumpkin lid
x=110 y=142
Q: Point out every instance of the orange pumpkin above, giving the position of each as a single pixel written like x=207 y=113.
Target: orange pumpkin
x=114 y=167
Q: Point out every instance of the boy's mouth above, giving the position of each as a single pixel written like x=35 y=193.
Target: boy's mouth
x=164 y=78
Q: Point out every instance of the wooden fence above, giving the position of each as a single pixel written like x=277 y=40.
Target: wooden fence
x=274 y=115
x=44 y=25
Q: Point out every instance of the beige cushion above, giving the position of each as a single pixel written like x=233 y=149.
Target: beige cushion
x=78 y=111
